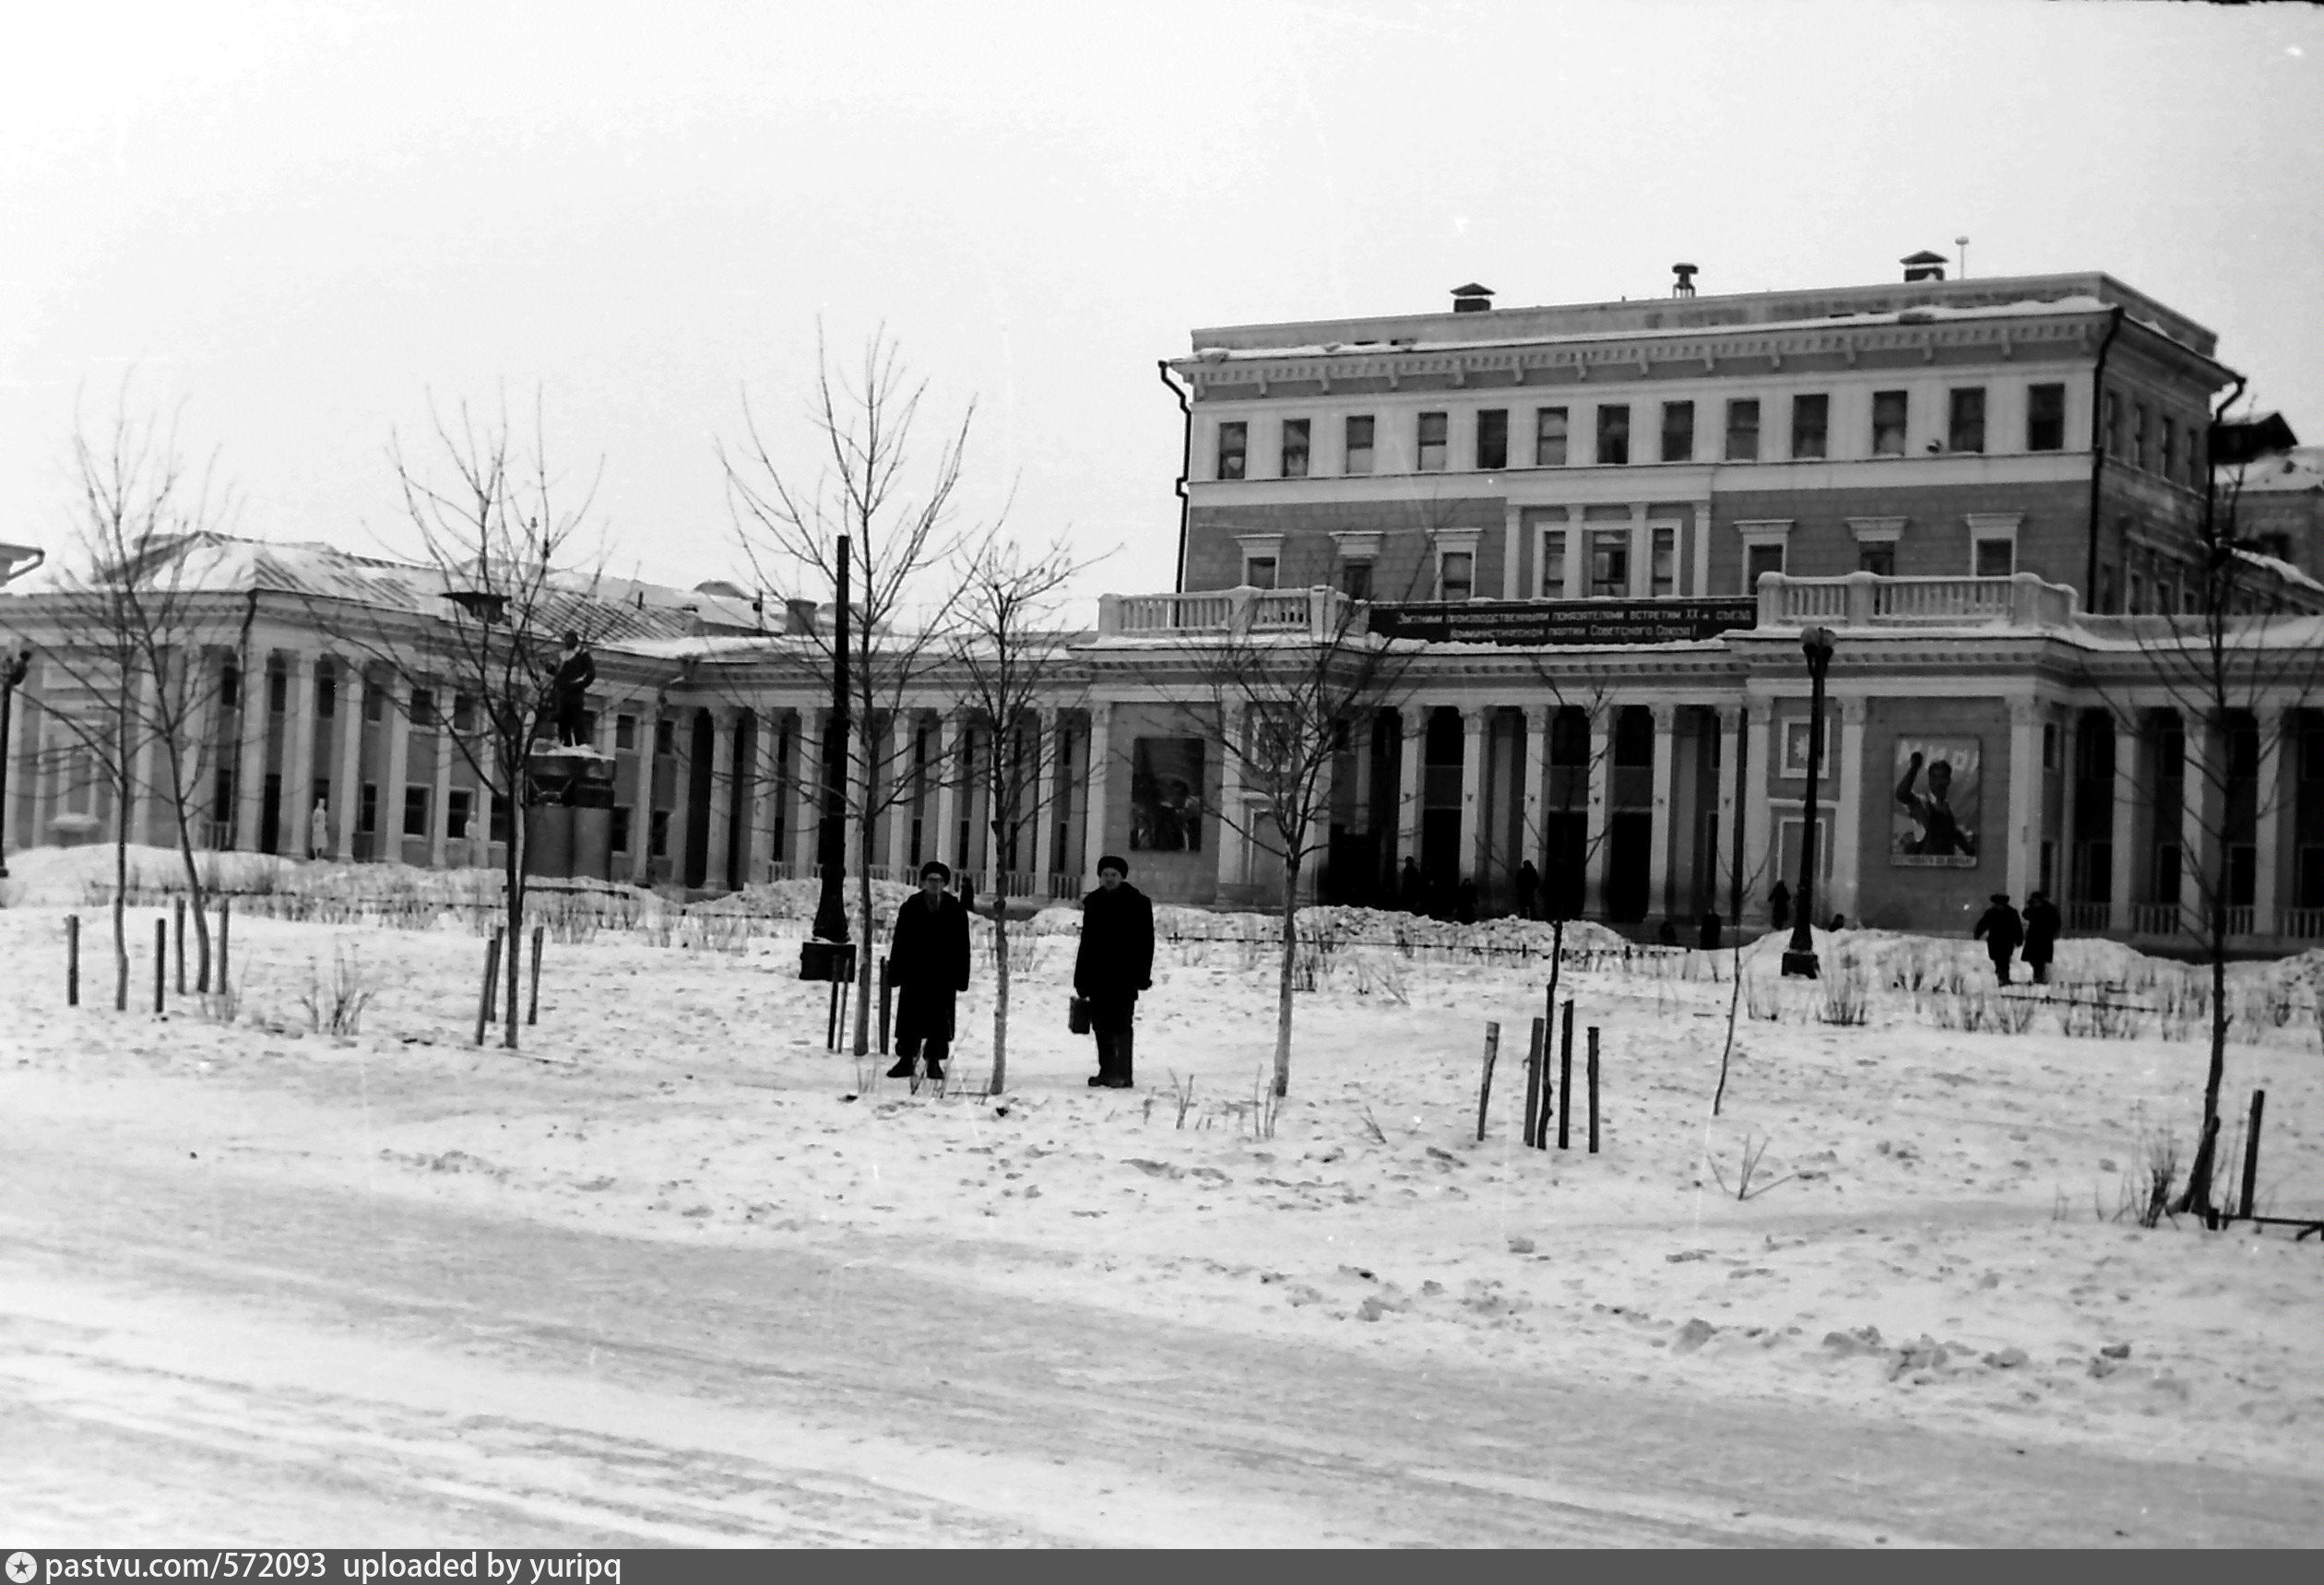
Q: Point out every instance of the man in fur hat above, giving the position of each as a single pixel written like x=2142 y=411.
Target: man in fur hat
x=928 y=964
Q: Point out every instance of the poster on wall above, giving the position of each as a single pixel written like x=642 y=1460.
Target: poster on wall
x=1934 y=819
x=1166 y=795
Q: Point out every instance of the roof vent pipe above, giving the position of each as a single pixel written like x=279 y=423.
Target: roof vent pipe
x=1684 y=285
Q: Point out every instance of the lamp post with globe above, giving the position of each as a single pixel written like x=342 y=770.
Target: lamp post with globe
x=1799 y=958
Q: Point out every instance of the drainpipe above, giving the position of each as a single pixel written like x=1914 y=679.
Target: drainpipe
x=1186 y=464
x=2098 y=454
x=2215 y=573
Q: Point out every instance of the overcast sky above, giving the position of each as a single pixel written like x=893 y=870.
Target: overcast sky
x=302 y=219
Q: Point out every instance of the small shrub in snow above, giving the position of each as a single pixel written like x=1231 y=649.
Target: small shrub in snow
x=335 y=1006
x=1847 y=992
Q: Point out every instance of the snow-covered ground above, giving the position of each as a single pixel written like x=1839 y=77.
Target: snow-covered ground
x=1935 y=1236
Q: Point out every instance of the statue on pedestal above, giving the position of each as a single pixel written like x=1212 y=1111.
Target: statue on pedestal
x=569 y=694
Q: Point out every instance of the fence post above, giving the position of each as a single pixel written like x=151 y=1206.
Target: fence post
x=161 y=966
x=492 y=984
x=1594 y=1089
x=72 y=959
x=177 y=916
x=886 y=989
x=532 y=1002
x=225 y=916
x=1564 y=1098
x=1536 y=1074
x=484 y=994
x=2251 y=1152
x=1485 y=1085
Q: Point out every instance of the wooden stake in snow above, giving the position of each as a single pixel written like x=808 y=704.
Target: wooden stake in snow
x=1484 y=1086
x=2251 y=1152
x=72 y=959
x=484 y=997
x=177 y=918
x=161 y=965
x=1593 y=1087
x=225 y=914
x=1564 y=1097
x=532 y=1001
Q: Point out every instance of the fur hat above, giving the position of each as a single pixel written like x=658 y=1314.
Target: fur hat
x=1114 y=861
x=938 y=868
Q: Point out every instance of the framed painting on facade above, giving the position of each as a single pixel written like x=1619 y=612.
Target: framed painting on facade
x=1935 y=809
x=1166 y=795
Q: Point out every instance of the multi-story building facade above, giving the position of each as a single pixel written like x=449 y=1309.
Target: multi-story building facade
x=1594 y=535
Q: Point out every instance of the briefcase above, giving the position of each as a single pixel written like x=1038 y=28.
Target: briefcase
x=1078 y=1015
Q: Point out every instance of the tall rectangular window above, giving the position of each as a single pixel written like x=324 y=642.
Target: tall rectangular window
x=1888 y=423
x=1456 y=575
x=1964 y=427
x=1664 y=567
x=375 y=703
x=1742 y=432
x=1677 y=432
x=464 y=712
x=424 y=707
x=1356 y=580
x=1553 y=563
x=456 y=813
x=619 y=839
x=1757 y=559
x=1549 y=437
x=1295 y=448
x=2167 y=463
x=1996 y=558
x=658 y=833
x=1609 y=562
x=1613 y=435
x=498 y=827
x=415 y=816
x=277 y=691
x=1259 y=572
x=1876 y=557
x=1358 y=452
x=2139 y=433
x=367 y=810
x=665 y=738
x=1433 y=428
x=2194 y=456
x=1492 y=439
x=2045 y=417
x=625 y=733
x=326 y=692
x=230 y=689
x=1234 y=441
x=1811 y=423
x=2112 y=424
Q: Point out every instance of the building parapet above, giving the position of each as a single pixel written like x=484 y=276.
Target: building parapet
x=1316 y=613
x=1866 y=600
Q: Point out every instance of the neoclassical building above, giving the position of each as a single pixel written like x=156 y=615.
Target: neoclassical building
x=1592 y=535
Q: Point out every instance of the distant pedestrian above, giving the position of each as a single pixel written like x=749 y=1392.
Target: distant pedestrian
x=319 y=830
x=1839 y=922
x=928 y=964
x=1464 y=900
x=1668 y=935
x=1115 y=963
x=1528 y=889
x=2001 y=931
x=1412 y=888
x=1779 y=907
x=569 y=693
x=1710 y=937
x=2042 y=927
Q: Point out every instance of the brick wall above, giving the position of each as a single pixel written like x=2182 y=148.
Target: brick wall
x=2052 y=540
x=1406 y=569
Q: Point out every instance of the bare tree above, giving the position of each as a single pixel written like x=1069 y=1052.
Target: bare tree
x=895 y=509
x=503 y=539
x=1012 y=658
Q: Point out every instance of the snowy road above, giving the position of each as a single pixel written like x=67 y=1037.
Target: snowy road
x=199 y=1356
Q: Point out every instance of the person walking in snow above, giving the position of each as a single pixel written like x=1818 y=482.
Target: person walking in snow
x=2043 y=924
x=2001 y=931
x=1528 y=889
x=1412 y=889
x=1779 y=907
x=928 y=964
x=1115 y=963
x=319 y=830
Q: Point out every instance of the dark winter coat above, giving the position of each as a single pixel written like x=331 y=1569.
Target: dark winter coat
x=928 y=964
x=1779 y=907
x=2000 y=929
x=1115 y=959
x=1412 y=888
x=2042 y=926
x=576 y=674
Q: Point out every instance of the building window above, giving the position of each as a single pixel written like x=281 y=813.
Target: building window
x=230 y=688
x=665 y=738
x=2194 y=457
x=367 y=810
x=1811 y=423
x=415 y=812
x=499 y=831
x=619 y=839
x=1677 y=432
x=1356 y=580
x=423 y=706
x=1549 y=437
x=1259 y=572
x=457 y=808
x=277 y=691
x=1609 y=562
x=463 y=712
x=1613 y=435
x=1432 y=447
x=2113 y=408
x=1234 y=443
x=625 y=733
x=1553 y=563
x=2045 y=417
x=2138 y=594
x=2049 y=745
x=1997 y=558
x=1663 y=566
x=326 y=692
x=2138 y=434
x=1742 y=432
x=1876 y=557
x=2168 y=463
x=1492 y=439
x=375 y=703
x=1360 y=446
x=1761 y=558
x=658 y=833
x=1888 y=423
x=1295 y=448
x=1456 y=574
x=1965 y=429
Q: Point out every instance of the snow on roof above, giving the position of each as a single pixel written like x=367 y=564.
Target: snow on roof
x=2300 y=468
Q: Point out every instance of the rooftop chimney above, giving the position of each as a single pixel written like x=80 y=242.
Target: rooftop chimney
x=1472 y=299
x=1684 y=287
x=1924 y=266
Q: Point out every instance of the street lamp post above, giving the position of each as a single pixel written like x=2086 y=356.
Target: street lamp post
x=1800 y=957
x=12 y=673
x=827 y=956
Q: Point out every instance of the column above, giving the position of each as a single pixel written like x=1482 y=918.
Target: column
x=144 y=798
x=1318 y=850
x=1412 y=726
x=681 y=794
x=2129 y=763
x=397 y=720
x=719 y=847
x=1847 y=809
x=806 y=792
x=945 y=843
x=1601 y=788
x=1756 y=863
x=1232 y=840
x=1538 y=720
x=2202 y=857
x=1726 y=845
x=1100 y=779
x=1658 y=855
x=1642 y=543
x=440 y=796
x=898 y=836
x=2025 y=782
x=250 y=775
x=766 y=789
x=2268 y=808
x=641 y=853
x=1702 y=585
x=298 y=766
x=1471 y=852
x=2069 y=760
x=347 y=785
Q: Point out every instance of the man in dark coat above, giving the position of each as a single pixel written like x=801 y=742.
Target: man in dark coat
x=569 y=693
x=1115 y=963
x=1528 y=889
x=2042 y=926
x=1779 y=907
x=2000 y=929
x=1412 y=888
x=928 y=964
